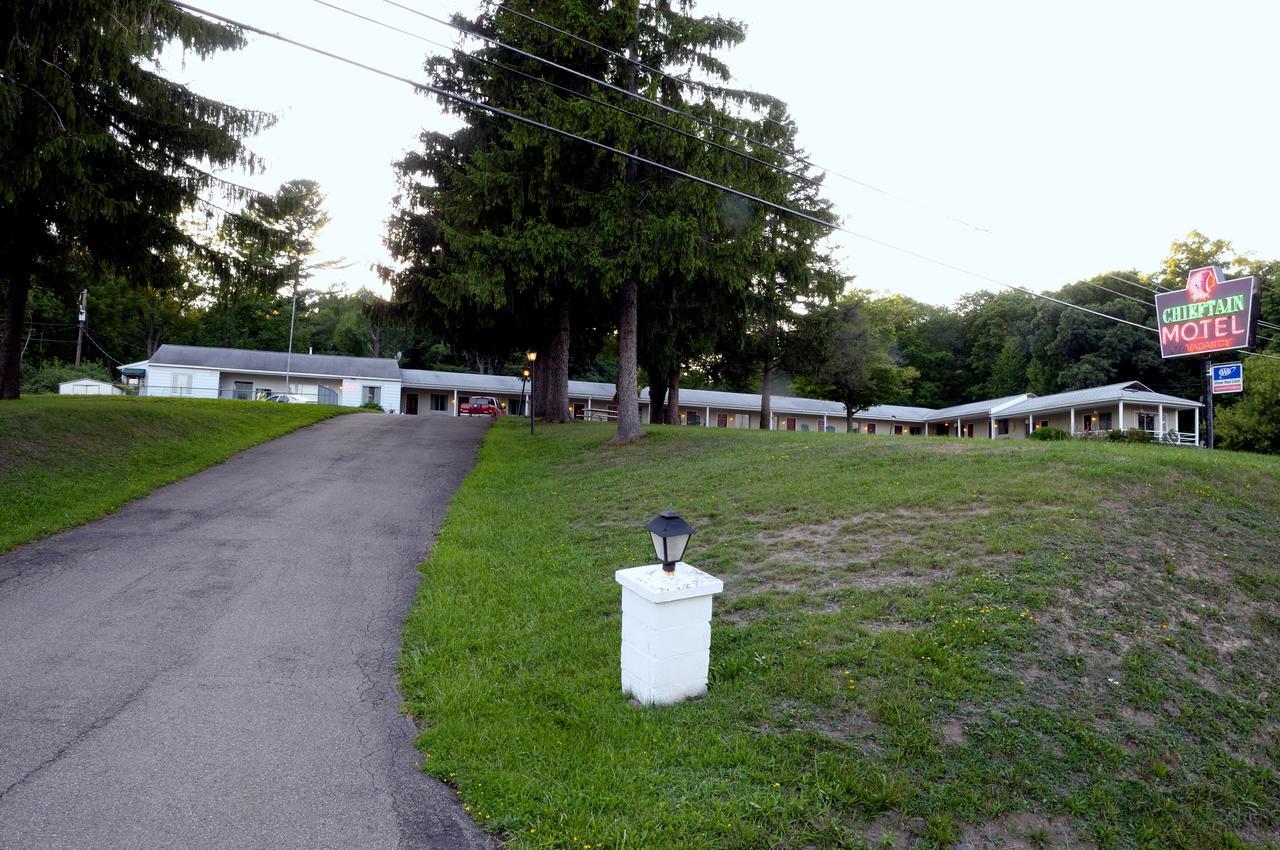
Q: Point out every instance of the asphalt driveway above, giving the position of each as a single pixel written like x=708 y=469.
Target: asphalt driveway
x=214 y=665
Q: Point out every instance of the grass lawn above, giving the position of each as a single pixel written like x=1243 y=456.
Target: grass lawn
x=66 y=460
x=922 y=642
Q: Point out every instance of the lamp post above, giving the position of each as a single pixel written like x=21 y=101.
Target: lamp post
x=533 y=359
x=666 y=619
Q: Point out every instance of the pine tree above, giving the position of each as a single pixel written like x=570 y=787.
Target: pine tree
x=99 y=152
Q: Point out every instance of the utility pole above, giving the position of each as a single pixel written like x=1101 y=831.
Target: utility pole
x=293 y=311
x=84 y=310
x=1208 y=400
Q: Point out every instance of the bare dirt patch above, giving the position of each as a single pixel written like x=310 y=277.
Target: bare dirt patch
x=1026 y=831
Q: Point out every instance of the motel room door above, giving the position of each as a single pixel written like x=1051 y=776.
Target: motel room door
x=411 y=404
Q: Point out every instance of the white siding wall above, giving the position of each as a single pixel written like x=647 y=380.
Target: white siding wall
x=166 y=381
x=353 y=393
x=276 y=384
x=87 y=387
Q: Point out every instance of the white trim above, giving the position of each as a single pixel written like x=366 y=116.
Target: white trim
x=280 y=372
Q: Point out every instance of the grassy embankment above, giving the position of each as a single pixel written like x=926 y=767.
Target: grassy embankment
x=921 y=643
x=66 y=460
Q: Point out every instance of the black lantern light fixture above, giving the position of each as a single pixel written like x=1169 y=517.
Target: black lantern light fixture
x=670 y=535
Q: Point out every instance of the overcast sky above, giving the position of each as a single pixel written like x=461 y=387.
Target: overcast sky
x=1036 y=144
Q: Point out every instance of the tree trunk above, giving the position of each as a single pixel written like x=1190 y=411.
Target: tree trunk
x=848 y=420
x=673 y=396
x=15 y=311
x=556 y=373
x=629 y=427
x=766 y=386
x=657 y=398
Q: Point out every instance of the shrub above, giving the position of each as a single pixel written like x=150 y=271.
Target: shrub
x=46 y=377
x=1048 y=434
x=1137 y=435
x=372 y=405
x=1116 y=435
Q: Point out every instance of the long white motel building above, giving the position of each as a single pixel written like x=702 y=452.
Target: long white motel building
x=230 y=373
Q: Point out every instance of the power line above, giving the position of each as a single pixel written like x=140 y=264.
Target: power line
x=573 y=92
x=682 y=81
x=497 y=110
x=100 y=348
x=645 y=161
x=720 y=90
x=582 y=75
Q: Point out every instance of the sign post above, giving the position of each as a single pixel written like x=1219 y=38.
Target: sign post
x=1211 y=314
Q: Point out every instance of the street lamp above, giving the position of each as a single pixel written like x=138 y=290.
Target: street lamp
x=533 y=358
x=670 y=535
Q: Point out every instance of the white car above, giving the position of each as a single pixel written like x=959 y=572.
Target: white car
x=289 y=398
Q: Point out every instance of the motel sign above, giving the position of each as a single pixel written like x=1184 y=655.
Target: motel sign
x=1211 y=314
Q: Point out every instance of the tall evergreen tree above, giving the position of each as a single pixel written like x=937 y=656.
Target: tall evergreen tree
x=97 y=147
x=526 y=235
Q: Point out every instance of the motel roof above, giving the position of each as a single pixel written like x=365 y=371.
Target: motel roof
x=495 y=384
x=976 y=408
x=276 y=362
x=1130 y=392
x=387 y=369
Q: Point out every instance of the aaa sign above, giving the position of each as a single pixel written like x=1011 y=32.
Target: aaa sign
x=1211 y=314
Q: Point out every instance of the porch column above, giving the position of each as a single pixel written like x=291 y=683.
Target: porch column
x=1122 y=416
x=1197 y=424
x=455 y=403
x=959 y=432
x=1160 y=429
x=991 y=428
x=588 y=415
x=706 y=423
x=1073 y=421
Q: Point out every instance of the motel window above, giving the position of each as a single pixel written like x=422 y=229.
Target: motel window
x=914 y=431
x=1104 y=421
x=968 y=430
x=182 y=383
x=897 y=429
x=1002 y=426
x=439 y=402
x=722 y=420
x=1044 y=423
x=871 y=427
x=1146 y=420
x=243 y=390
x=373 y=395
x=691 y=418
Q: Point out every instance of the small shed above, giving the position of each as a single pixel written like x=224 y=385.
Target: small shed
x=88 y=386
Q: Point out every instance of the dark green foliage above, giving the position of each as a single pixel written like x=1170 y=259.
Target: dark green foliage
x=372 y=405
x=845 y=353
x=1048 y=434
x=1253 y=423
x=97 y=146
x=47 y=377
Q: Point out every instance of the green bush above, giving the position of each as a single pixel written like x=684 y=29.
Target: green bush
x=1116 y=435
x=46 y=377
x=1137 y=435
x=372 y=405
x=1048 y=434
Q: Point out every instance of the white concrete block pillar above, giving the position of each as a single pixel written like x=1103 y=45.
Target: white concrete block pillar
x=666 y=632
